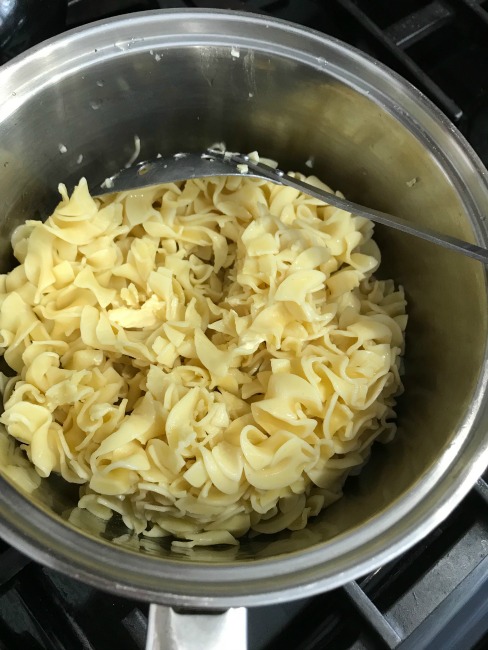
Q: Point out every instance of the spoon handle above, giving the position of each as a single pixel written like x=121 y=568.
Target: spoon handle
x=277 y=176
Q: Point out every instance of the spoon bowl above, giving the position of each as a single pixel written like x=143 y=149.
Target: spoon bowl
x=216 y=162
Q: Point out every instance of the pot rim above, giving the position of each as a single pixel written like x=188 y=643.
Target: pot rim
x=361 y=550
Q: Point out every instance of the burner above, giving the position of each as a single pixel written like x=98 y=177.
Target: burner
x=24 y=23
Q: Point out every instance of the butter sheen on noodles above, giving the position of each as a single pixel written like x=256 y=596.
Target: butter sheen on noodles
x=204 y=358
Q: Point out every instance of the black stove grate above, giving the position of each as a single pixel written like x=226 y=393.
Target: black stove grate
x=436 y=595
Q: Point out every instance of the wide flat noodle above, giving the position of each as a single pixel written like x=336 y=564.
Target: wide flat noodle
x=203 y=358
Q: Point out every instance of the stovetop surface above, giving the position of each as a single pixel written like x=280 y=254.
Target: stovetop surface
x=436 y=595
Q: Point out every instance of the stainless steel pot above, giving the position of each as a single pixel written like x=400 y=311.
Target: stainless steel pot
x=181 y=80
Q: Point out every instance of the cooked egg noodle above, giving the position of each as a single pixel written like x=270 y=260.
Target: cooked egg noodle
x=204 y=358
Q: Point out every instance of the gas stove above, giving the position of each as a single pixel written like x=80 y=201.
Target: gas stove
x=436 y=595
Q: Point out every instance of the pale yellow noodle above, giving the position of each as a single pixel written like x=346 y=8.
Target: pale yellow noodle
x=203 y=358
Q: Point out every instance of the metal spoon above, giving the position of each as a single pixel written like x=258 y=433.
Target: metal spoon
x=184 y=166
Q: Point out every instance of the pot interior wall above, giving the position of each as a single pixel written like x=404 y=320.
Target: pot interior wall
x=289 y=111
